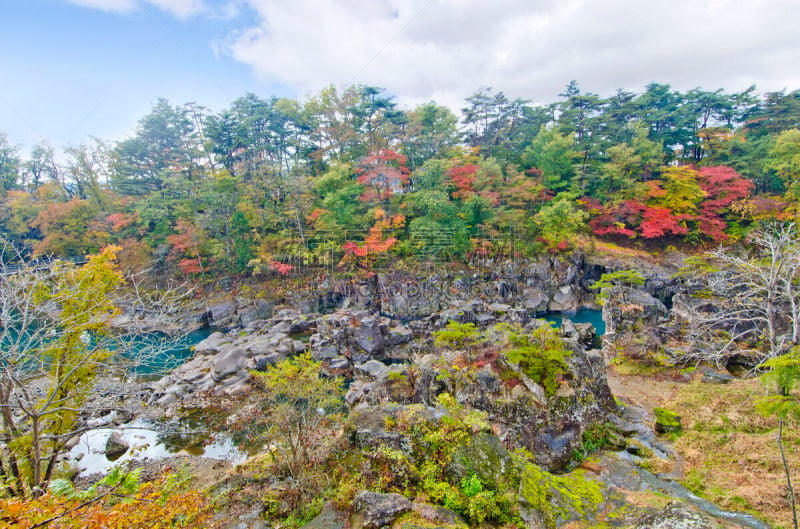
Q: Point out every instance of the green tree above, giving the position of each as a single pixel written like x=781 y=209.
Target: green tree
x=540 y=354
x=67 y=350
x=552 y=154
x=560 y=220
x=783 y=377
x=9 y=164
x=458 y=335
x=625 y=280
x=300 y=406
x=784 y=159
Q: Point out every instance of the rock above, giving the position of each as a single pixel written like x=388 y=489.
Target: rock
x=437 y=515
x=338 y=363
x=483 y=456
x=638 y=448
x=565 y=299
x=221 y=311
x=534 y=299
x=586 y=333
x=212 y=344
x=399 y=335
x=373 y=370
x=261 y=311
x=499 y=308
x=568 y=329
x=329 y=518
x=485 y=319
x=376 y=510
x=711 y=376
x=666 y=421
x=327 y=352
x=674 y=516
x=229 y=362
x=262 y=362
x=368 y=336
x=116 y=446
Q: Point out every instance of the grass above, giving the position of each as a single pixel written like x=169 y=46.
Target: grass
x=729 y=450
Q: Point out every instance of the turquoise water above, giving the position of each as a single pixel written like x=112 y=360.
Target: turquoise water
x=595 y=317
x=171 y=356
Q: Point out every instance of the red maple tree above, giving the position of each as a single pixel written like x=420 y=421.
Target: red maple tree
x=383 y=173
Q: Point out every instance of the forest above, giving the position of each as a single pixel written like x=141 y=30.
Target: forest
x=346 y=177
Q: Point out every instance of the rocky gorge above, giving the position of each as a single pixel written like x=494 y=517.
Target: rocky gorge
x=379 y=333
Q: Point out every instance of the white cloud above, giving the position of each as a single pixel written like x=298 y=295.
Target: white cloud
x=116 y=6
x=179 y=8
x=445 y=49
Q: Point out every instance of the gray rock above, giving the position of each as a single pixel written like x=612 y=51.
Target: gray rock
x=262 y=362
x=674 y=516
x=710 y=376
x=261 y=311
x=368 y=336
x=499 y=308
x=338 y=363
x=327 y=352
x=436 y=514
x=229 y=362
x=534 y=299
x=372 y=369
x=565 y=299
x=376 y=510
x=329 y=518
x=116 y=446
x=399 y=335
x=221 y=311
x=212 y=344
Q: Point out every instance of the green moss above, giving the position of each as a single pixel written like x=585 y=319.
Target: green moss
x=667 y=421
x=559 y=498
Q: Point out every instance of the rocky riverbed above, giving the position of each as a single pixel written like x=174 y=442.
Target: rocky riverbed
x=379 y=334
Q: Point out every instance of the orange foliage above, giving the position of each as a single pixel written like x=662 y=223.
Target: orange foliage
x=374 y=243
x=117 y=221
x=150 y=508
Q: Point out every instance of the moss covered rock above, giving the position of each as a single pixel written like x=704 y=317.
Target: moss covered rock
x=484 y=456
x=549 y=500
x=666 y=421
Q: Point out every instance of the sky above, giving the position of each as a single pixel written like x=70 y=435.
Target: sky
x=75 y=69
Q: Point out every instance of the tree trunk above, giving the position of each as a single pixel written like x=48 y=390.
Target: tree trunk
x=788 y=474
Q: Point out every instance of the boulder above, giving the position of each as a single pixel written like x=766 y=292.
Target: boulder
x=373 y=370
x=212 y=344
x=376 y=510
x=261 y=311
x=368 y=336
x=485 y=457
x=221 y=311
x=534 y=299
x=116 y=446
x=229 y=362
x=399 y=335
x=565 y=299
x=674 y=516
x=329 y=518
x=437 y=515
x=666 y=421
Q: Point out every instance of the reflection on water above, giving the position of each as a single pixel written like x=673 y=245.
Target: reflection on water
x=147 y=443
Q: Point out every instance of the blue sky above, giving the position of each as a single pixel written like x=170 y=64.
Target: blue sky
x=71 y=69
x=70 y=72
